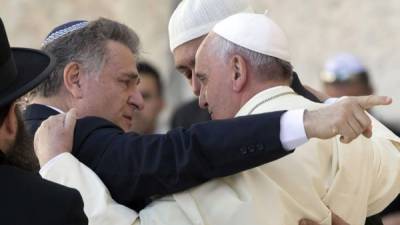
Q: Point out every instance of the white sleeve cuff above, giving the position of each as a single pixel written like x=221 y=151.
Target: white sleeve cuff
x=292 y=132
x=99 y=207
x=330 y=101
x=51 y=162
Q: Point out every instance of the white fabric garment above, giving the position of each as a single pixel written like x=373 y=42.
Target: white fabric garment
x=354 y=180
x=99 y=207
x=292 y=132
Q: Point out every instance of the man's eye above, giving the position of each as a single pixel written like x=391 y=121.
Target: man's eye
x=125 y=82
x=188 y=75
x=146 y=96
x=202 y=78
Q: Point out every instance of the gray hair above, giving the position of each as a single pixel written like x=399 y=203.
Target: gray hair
x=264 y=66
x=86 y=46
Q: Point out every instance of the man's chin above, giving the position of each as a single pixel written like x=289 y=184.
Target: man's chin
x=215 y=116
x=125 y=126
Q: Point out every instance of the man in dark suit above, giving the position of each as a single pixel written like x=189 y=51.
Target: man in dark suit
x=26 y=197
x=97 y=75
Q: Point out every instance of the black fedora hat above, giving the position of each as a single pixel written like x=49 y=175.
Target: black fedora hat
x=21 y=69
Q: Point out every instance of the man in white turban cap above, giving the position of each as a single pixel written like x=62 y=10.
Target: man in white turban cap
x=190 y=23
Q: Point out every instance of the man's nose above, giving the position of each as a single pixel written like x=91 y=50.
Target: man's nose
x=203 y=99
x=136 y=99
x=195 y=85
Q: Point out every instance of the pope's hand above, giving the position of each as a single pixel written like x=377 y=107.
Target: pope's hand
x=347 y=118
x=55 y=136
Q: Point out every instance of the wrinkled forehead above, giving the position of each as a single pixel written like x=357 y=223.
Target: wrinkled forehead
x=205 y=50
x=120 y=59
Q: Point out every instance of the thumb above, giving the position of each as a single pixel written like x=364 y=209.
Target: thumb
x=368 y=132
x=307 y=222
x=70 y=119
x=370 y=101
x=336 y=220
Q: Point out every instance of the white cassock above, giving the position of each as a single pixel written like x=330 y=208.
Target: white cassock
x=354 y=180
x=99 y=207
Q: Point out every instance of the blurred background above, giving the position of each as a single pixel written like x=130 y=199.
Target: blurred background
x=317 y=30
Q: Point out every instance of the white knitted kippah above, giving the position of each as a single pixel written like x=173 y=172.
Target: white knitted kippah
x=64 y=29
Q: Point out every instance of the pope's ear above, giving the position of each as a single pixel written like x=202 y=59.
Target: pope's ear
x=239 y=72
x=73 y=79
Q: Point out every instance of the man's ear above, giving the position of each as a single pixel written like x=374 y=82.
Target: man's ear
x=73 y=79
x=9 y=128
x=239 y=72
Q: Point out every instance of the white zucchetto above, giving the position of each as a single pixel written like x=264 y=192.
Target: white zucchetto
x=255 y=32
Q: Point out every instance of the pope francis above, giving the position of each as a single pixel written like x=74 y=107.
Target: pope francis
x=243 y=67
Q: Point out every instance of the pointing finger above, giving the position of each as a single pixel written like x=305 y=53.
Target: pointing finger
x=370 y=101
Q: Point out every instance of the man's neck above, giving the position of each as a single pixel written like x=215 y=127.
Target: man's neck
x=257 y=87
x=56 y=102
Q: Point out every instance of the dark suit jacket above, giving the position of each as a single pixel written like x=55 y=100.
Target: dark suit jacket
x=136 y=167
x=27 y=199
x=189 y=113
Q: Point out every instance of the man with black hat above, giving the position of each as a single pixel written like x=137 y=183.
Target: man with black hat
x=26 y=197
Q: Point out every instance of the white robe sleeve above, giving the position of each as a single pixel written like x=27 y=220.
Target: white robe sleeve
x=386 y=167
x=99 y=207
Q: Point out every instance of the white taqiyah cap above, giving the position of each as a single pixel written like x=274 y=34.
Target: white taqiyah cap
x=255 y=32
x=195 y=18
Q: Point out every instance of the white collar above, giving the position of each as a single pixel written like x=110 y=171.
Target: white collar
x=262 y=97
x=56 y=109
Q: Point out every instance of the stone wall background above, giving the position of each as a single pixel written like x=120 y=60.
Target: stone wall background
x=316 y=29
x=369 y=29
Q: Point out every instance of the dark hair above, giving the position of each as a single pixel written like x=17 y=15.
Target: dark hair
x=86 y=46
x=146 y=69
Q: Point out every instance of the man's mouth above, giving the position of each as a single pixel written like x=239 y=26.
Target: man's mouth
x=128 y=119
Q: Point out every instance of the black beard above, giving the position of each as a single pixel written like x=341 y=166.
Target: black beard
x=22 y=154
